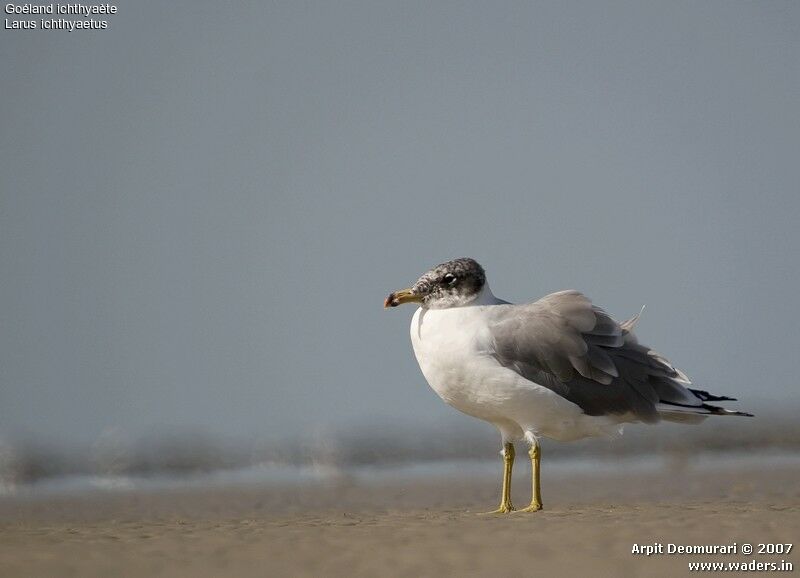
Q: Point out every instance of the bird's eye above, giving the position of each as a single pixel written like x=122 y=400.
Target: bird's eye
x=450 y=279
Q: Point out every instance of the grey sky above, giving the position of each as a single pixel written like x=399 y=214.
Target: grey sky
x=202 y=208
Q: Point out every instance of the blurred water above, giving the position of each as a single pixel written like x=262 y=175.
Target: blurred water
x=273 y=474
x=369 y=452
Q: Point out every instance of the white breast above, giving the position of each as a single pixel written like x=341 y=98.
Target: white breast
x=450 y=347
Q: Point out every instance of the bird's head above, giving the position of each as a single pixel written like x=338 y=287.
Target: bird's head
x=451 y=284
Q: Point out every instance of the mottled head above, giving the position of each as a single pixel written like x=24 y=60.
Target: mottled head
x=452 y=284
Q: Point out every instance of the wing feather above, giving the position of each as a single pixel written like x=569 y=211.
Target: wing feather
x=576 y=349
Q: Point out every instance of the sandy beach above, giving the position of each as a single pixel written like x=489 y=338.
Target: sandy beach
x=415 y=527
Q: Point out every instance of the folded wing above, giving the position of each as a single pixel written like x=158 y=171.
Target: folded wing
x=568 y=345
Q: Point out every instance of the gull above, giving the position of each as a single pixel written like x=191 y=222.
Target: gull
x=559 y=367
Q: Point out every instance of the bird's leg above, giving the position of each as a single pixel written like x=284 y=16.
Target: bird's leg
x=508 y=463
x=535 y=452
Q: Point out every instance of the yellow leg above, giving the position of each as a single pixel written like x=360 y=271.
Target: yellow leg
x=508 y=463
x=536 y=492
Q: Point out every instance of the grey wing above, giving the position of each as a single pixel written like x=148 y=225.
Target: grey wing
x=568 y=345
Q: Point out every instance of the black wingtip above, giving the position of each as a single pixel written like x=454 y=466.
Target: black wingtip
x=715 y=410
x=705 y=396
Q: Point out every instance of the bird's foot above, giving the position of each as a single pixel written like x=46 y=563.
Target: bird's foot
x=534 y=507
x=504 y=508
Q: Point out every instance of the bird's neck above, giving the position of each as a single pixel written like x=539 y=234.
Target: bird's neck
x=486 y=297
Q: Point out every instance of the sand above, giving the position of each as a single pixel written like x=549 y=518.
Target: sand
x=416 y=527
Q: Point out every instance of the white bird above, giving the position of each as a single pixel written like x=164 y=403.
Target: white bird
x=558 y=367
